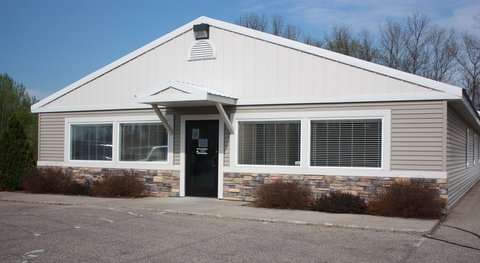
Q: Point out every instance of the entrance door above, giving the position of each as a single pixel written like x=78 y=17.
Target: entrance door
x=201 y=158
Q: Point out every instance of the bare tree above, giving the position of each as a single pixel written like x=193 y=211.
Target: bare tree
x=366 y=48
x=469 y=60
x=278 y=22
x=341 y=40
x=253 y=21
x=476 y=20
x=443 y=48
x=310 y=40
x=416 y=43
x=291 y=32
x=391 y=44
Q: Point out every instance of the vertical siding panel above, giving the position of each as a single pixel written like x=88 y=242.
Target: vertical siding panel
x=271 y=71
x=228 y=64
x=249 y=68
x=283 y=71
x=260 y=84
x=238 y=65
x=294 y=69
x=218 y=68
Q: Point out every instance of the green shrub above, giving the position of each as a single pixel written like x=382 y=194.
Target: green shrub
x=119 y=186
x=283 y=195
x=337 y=202
x=53 y=181
x=407 y=199
x=16 y=155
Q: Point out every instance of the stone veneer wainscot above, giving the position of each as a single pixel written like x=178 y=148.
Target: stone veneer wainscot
x=241 y=186
x=158 y=182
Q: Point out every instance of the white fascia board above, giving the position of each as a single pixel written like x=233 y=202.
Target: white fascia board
x=349 y=99
x=221 y=99
x=144 y=104
x=118 y=63
x=98 y=107
x=355 y=62
x=473 y=112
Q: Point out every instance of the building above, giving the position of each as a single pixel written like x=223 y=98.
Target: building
x=215 y=109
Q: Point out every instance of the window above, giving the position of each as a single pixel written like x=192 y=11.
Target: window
x=91 y=142
x=143 y=142
x=469 y=147
x=269 y=143
x=346 y=143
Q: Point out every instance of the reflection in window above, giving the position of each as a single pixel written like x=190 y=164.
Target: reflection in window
x=143 y=142
x=91 y=142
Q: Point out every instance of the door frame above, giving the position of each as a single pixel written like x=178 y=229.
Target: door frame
x=183 y=119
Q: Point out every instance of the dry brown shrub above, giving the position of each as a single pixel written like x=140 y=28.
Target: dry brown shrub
x=283 y=195
x=408 y=199
x=119 y=186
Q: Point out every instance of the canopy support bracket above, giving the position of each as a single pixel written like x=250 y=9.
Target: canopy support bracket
x=224 y=116
x=162 y=118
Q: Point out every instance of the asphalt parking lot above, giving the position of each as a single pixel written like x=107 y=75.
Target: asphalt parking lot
x=35 y=232
x=55 y=233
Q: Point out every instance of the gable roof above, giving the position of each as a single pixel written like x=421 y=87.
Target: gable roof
x=449 y=90
x=177 y=93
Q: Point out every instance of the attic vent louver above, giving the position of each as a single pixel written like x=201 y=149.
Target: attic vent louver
x=201 y=49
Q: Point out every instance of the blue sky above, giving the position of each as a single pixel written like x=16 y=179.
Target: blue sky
x=48 y=44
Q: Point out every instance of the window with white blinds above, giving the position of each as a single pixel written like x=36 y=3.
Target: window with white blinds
x=346 y=143
x=269 y=142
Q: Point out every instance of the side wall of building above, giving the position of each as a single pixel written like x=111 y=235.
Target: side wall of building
x=463 y=157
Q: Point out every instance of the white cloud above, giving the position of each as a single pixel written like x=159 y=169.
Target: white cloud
x=462 y=18
x=314 y=15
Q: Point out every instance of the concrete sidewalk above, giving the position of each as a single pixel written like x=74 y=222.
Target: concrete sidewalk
x=232 y=209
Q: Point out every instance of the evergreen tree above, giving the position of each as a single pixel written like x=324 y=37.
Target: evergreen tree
x=16 y=155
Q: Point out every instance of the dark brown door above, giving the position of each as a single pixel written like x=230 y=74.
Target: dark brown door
x=201 y=158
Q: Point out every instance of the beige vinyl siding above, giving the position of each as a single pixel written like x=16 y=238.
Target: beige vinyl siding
x=416 y=134
x=52 y=130
x=176 y=140
x=226 y=146
x=416 y=139
x=51 y=134
x=460 y=176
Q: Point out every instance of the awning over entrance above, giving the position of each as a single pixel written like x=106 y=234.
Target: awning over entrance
x=180 y=94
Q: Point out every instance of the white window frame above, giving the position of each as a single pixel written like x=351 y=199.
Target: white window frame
x=305 y=118
x=115 y=162
x=263 y=121
x=69 y=143
x=349 y=118
x=140 y=122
